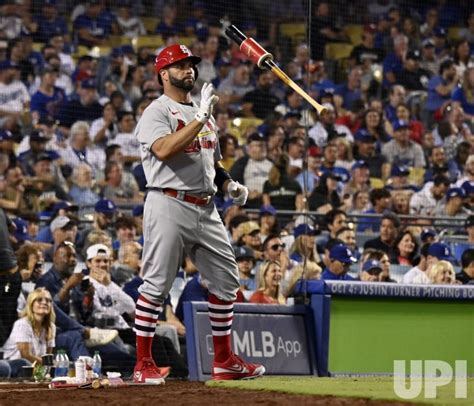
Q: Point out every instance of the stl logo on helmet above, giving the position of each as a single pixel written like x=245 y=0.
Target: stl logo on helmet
x=185 y=50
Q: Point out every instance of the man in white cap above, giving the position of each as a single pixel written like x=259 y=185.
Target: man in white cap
x=326 y=128
x=63 y=229
x=111 y=303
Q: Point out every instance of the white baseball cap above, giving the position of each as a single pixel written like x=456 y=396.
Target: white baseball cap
x=97 y=249
x=59 y=222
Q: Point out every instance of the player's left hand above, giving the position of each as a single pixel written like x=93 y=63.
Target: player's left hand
x=239 y=192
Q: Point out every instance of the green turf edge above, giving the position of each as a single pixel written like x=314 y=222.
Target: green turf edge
x=366 y=387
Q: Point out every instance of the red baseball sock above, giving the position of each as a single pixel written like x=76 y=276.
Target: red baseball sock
x=146 y=315
x=221 y=314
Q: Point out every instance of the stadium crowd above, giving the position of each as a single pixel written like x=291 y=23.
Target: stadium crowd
x=378 y=188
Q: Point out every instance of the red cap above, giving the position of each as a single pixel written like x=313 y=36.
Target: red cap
x=372 y=28
x=315 y=152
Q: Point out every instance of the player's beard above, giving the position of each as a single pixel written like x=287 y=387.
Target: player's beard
x=184 y=84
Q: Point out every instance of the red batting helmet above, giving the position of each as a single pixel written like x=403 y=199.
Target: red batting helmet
x=172 y=54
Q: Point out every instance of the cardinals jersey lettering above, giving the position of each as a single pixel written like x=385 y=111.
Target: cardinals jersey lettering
x=191 y=170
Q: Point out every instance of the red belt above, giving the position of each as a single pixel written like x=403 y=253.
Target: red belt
x=186 y=197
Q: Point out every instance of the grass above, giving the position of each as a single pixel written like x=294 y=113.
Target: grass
x=370 y=388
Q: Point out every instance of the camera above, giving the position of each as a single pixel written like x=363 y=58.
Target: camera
x=85 y=283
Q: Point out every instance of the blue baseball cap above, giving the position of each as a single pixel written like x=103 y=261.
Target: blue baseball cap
x=455 y=192
x=105 y=206
x=8 y=64
x=441 y=251
x=64 y=204
x=268 y=210
x=128 y=49
x=468 y=187
x=137 y=210
x=89 y=84
x=21 y=231
x=360 y=164
x=342 y=254
x=244 y=252
x=371 y=265
x=6 y=135
x=440 y=32
x=116 y=52
x=39 y=136
x=362 y=135
x=400 y=124
x=426 y=233
x=428 y=43
x=399 y=170
x=342 y=173
x=304 y=229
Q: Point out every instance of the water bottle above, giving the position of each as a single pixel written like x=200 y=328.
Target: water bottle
x=80 y=371
x=60 y=371
x=65 y=363
x=97 y=364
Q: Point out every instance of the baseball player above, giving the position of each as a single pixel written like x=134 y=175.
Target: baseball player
x=180 y=155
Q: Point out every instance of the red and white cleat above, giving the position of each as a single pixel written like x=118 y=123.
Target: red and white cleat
x=236 y=368
x=146 y=372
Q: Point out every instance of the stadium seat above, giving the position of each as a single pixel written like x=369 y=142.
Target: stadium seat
x=454 y=33
x=153 y=41
x=118 y=40
x=150 y=24
x=37 y=46
x=397 y=271
x=416 y=176
x=338 y=50
x=362 y=238
x=241 y=124
x=295 y=31
x=188 y=41
x=354 y=32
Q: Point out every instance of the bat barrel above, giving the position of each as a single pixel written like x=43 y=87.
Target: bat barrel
x=235 y=34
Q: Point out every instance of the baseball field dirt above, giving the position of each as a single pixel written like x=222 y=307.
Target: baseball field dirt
x=172 y=393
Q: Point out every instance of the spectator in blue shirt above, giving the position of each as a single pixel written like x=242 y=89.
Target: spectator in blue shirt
x=197 y=24
x=340 y=261
x=87 y=108
x=168 y=26
x=49 y=23
x=440 y=87
x=350 y=91
x=464 y=95
x=46 y=101
x=393 y=62
x=440 y=40
x=381 y=201
x=93 y=27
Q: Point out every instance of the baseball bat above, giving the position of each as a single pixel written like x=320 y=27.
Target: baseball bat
x=264 y=60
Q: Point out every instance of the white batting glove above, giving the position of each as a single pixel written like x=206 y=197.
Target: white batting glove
x=239 y=192
x=208 y=100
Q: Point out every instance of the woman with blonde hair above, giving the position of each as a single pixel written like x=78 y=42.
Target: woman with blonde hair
x=33 y=334
x=345 y=158
x=442 y=273
x=464 y=95
x=311 y=271
x=270 y=276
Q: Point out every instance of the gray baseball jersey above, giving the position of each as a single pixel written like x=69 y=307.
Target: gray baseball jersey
x=191 y=170
x=174 y=228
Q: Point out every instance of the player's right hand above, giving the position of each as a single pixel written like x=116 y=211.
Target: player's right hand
x=208 y=100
